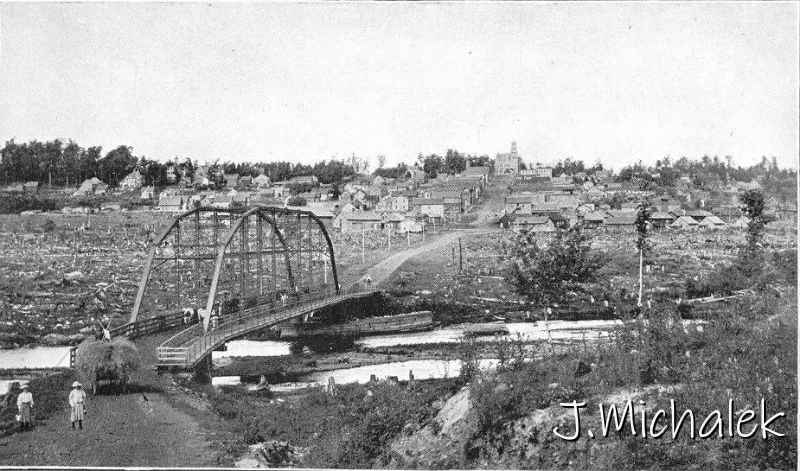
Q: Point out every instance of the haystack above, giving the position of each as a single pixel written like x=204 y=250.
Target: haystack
x=106 y=362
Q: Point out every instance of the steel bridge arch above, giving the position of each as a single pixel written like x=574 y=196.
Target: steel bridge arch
x=274 y=216
x=212 y=293
x=152 y=254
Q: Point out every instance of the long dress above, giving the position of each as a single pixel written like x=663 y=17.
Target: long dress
x=24 y=405
x=77 y=400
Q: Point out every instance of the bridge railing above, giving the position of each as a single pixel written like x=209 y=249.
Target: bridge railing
x=191 y=344
x=149 y=326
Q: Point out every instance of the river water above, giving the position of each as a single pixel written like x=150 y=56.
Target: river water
x=528 y=331
x=422 y=370
x=36 y=357
x=590 y=330
x=576 y=331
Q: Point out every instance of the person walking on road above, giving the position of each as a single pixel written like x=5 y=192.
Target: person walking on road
x=77 y=404
x=25 y=407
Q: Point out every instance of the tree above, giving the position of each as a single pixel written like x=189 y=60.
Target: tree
x=454 y=162
x=432 y=165
x=616 y=201
x=642 y=227
x=753 y=208
x=296 y=201
x=545 y=275
x=116 y=164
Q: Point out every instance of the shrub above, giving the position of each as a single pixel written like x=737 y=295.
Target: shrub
x=296 y=201
x=49 y=393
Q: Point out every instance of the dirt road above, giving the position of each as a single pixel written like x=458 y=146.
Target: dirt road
x=139 y=429
x=384 y=269
x=161 y=426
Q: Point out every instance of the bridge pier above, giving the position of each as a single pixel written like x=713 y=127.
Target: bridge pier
x=202 y=372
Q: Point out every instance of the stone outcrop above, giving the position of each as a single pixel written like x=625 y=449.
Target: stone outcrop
x=441 y=443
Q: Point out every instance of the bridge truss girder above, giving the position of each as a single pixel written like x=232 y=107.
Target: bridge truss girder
x=211 y=256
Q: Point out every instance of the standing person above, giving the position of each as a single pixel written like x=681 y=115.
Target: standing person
x=77 y=404
x=25 y=407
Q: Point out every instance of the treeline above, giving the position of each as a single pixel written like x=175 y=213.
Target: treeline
x=452 y=163
x=68 y=164
x=62 y=164
x=712 y=173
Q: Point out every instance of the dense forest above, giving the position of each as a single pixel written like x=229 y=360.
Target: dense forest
x=67 y=164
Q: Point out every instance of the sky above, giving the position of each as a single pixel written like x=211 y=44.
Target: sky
x=615 y=82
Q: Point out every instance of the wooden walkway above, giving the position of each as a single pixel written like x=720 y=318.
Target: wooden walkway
x=190 y=346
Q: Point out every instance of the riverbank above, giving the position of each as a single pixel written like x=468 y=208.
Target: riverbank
x=503 y=416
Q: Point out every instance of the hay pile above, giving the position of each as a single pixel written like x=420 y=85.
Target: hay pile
x=115 y=360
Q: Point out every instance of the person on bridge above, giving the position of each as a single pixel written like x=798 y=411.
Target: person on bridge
x=25 y=408
x=77 y=404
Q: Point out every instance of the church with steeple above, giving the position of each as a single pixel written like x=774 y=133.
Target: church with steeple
x=507 y=164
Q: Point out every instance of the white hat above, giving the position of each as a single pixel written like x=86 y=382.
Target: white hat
x=76 y=384
x=25 y=386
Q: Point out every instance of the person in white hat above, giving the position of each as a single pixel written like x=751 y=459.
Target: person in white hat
x=77 y=404
x=25 y=407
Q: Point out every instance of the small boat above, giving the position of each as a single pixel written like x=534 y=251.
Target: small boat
x=483 y=330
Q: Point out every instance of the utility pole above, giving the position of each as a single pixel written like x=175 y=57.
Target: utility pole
x=362 y=243
x=460 y=256
x=408 y=239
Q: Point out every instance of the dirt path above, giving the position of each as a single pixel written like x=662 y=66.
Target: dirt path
x=384 y=269
x=162 y=426
x=140 y=429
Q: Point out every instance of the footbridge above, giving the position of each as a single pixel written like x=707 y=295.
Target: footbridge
x=222 y=273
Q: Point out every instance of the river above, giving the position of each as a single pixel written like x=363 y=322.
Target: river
x=527 y=331
x=35 y=357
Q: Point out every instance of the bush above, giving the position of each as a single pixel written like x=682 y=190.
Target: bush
x=296 y=201
x=723 y=364
x=48 y=225
x=348 y=430
x=16 y=203
x=49 y=394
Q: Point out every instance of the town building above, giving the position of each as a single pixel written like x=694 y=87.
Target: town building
x=231 y=179
x=148 y=193
x=132 y=182
x=507 y=164
x=91 y=186
x=661 y=219
x=533 y=224
x=359 y=221
x=261 y=181
x=430 y=208
x=168 y=202
x=684 y=222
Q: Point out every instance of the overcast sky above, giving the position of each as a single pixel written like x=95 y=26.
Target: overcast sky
x=617 y=82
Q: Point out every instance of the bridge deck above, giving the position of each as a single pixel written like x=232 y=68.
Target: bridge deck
x=190 y=346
